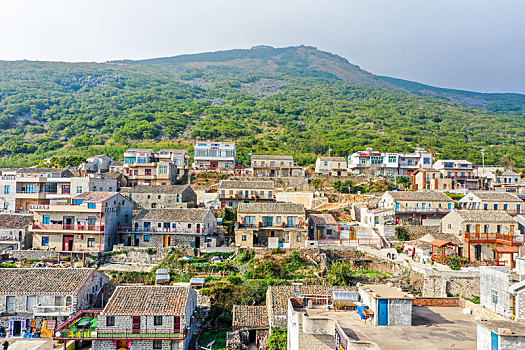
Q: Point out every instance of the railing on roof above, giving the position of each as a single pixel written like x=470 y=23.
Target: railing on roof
x=346 y=241
x=422 y=210
x=130 y=229
x=45 y=310
x=110 y=334
x=67 y=227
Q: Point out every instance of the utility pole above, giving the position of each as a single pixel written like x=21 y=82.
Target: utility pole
x=329 y=151
x=483 y=159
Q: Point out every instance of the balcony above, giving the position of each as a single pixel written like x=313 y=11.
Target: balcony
x=422 y=210
x=274 y=226
x=84 y=326
x=165 y=230
x=53 y=310
x=510 y=238
x=67 y=227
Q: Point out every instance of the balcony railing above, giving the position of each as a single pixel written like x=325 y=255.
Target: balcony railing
x=273 y=226
x=494 y=238
x=67 y=227
x=52 y=310
x=422 y=210
x=131 y=229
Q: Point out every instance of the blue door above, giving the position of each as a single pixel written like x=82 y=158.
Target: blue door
x=46 y=219
x=382 y=317
x=494 y=337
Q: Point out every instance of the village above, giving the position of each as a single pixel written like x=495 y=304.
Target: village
x=175 y=250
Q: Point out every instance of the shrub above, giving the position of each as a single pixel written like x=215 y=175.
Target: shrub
x=151 y=251
x=402 y=234
x=278 y=251
x=455 y=263
x=278 y=339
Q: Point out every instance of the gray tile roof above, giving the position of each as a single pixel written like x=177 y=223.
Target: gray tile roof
x=245 y=316
x=147 y=300
x=39 y=170
x=162 y=189
x=172 y=215
x=43 y=280
x=419 y=196
x=256 y=185
x=484 y=216
x=95 y=196
x=492 y=196
x=334 y=159
x=323 y=219
x=271 y=208
x=15 y=221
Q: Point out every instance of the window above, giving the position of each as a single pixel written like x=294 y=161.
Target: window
x=110 y=321
x=494 y=296
x=9 y=303
x=163 y=169
x=30 y=302
x=495 y=207
x=7 y=189
x=485 y=206
x=244 y=238
x=278 y=219
x=499 y=229
x=66 y=189
x=91 y=242
x=392 y=159
x=79 y=189
x=153 y=205
x=486 y=229
x=141 y=160
x=157 y=344
x=147 y=171
x=426 y=160
x=270 y=194
x=45 y=241
x=505 y=206
x=292 y=221
x=298 y=238
x=157 y=320
x=469 y=228
x=92 y=205
x=159 y=196
x=129 y=160
x=146 y=238
x=249 y=220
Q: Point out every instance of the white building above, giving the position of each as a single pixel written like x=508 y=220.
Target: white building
x=331 y=166
x=214 y=155
x=390 y=164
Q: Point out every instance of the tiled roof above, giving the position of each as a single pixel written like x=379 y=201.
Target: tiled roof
x=162 y=189
x=274 y=208
x=250 y=316
x=256 y=185
x=15 y=221
x=484 y=216
x=264 y=157
x=279 y=295
x=95 y=196
x=147 y=300
x=172 y=215
x=39 y=170
x=334 y=159
x=496 y=196
x=419 y=196
x=42 y=281
x=323 y=219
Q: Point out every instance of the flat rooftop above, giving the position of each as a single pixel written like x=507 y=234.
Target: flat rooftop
x=383 y=291
x=433 y=328
x=517 y=328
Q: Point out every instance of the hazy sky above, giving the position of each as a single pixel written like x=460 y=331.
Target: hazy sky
x=466 y=44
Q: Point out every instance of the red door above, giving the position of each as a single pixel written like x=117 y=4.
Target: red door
x=67 y=243
x=214 y=166
x=136 y=324
x=176 y=324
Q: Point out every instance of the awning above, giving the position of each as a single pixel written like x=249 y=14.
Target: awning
x=506 y=249
x=441 y=243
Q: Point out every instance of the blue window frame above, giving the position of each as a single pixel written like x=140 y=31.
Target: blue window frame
x=45 y=241
x=146 y=238
x=7 y=189
x=45 y=219
x=92 y=205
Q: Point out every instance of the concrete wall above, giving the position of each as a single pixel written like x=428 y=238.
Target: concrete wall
x=140 y=345
x=495 y=281
x=399 y=312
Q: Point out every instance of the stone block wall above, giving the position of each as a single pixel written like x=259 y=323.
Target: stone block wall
x=443 y=302
x=441 y=286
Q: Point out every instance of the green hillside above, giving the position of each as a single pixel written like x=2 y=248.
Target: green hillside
x=295 y=100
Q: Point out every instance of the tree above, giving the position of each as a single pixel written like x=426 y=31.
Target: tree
x=315 y=183
x=340 y=273
x=278 y=339
x=402 y=234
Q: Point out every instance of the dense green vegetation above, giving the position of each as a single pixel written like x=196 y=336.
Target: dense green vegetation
x=301 y=102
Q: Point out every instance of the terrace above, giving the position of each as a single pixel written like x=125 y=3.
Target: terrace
x=67 y=227
x=512 y=239
x=130 y=229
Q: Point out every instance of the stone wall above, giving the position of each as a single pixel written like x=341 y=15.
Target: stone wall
x=443 y=302
x=443 y=286
x=135 y=255
x=479 y=311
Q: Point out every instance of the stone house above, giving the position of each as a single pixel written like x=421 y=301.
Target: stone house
x=461 y=172
x=322 y=226
x=412 y=207
x=45 y=294
x=489 y=200
x=87 y=222
x=331 y=166
x=271 y=225
x=430 y=179
x=485 y=234
x=14 y=233
x=169 y=227
x=274 y=166
x=139 y=318
x=97 y=164
x=390 y=305
x=232 y=192
x=162 y=197
x=502 y=290
x=251 y=323
x=146 y=167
